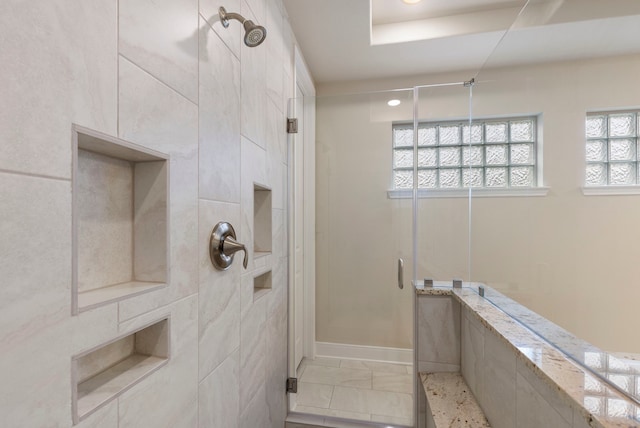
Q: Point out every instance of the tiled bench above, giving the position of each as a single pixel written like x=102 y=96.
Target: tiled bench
x=450 y=402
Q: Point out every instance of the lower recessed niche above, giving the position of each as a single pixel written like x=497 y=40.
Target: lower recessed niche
x=261 y=285
x=261 y=221
x=102 y=374
x=120 y=206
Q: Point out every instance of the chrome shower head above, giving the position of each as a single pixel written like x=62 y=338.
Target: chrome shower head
x=254 y=34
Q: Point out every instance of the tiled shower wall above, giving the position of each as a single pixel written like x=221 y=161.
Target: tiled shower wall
x=166 y=75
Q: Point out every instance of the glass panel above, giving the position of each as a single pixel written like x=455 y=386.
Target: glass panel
x=472 y=177
x=496 y=155
x=521 y=176
x=596 y=175
x=622 y=125
x=403 y=137
x=596 y=151
x=496 y=177
x=427 y=136
x=476 y=134
x=622 y=173
x=449 y=156
x=522 y=154
x=403 y=158
x=496 y=132
x=356 y=134
x=521 y=131
x=427 y=157
x=596 y=126
x=472 y=156
x=449 y=178
x=622 y=150
x=427 y=179
x=449 y=135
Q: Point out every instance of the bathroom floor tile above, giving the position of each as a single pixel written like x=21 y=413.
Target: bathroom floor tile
x=368 y=401
x=337 y=376
x=356 y=390
x=393 y=382
x=314 y=395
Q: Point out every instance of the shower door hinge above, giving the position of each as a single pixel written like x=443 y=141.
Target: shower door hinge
x=292 y=126
x=292 y=385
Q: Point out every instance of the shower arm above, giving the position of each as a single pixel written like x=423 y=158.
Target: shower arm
x=226 y=16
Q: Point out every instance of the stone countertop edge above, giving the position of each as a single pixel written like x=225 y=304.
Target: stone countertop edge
x=553 y=367
x=448 y=394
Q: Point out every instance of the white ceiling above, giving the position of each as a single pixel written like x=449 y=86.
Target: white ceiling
x=365 y=39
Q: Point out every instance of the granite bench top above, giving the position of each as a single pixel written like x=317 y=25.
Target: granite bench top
x=451 y=402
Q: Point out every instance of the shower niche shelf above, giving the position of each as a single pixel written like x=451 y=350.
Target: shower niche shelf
x=262 y=221
x=261 y=285
x=120 y=219
x=102 y=374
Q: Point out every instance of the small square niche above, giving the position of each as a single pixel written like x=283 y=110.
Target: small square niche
x=262 y=239
x=261 y=285
x=120 y=219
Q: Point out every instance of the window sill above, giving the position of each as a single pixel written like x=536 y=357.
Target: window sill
x=610 y=190
x=476 y=193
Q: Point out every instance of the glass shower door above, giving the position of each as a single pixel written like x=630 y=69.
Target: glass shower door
x=362 y=365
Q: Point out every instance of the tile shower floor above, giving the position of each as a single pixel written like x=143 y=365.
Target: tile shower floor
x=354 y=389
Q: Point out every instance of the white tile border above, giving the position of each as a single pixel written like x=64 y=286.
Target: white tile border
x=465 y=193
x=610 y=190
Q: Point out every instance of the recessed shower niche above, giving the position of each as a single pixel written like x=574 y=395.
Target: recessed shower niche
x=101 y=374
x=262 y=221
x=120 y=219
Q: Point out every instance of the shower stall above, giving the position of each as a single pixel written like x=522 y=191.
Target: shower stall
x=522 y=176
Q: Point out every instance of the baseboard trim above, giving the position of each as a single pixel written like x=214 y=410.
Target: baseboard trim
x=361 y=352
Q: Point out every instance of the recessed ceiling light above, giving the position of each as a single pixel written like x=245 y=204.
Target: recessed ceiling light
x=393 y=103
x=411 y=1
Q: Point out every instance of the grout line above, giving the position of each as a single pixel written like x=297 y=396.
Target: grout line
x=28 y=174
x=158 y=79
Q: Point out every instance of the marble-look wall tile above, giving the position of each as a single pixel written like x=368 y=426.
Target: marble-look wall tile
x=533 y=411
x=255 y=413
x=252 y=351
x=276 y=363
x=105 y=417
x=253 y=171
x=219 y=400
x=168 y=397
x=154 y=116
x=233 y=35
x=161 y=36
x=253 y=78
x=104 y=217
x=257 y=8
x=58 y=68
x=274 y=45
x=219 y=121
x=35 y=301
x=150 y=224
x=472 y=353
x=219 y=297
x=438 y=330
x=498 y=395
x=276 y=155
x=580 y=420
x=559 y=402
x=94 y=327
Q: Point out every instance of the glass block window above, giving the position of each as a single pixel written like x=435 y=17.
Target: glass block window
x=612 y=149
x=496 y=153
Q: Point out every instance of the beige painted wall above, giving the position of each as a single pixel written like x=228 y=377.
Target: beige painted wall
x=567 y=256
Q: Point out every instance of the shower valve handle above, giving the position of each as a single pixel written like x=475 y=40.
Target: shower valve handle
x=223 y=246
